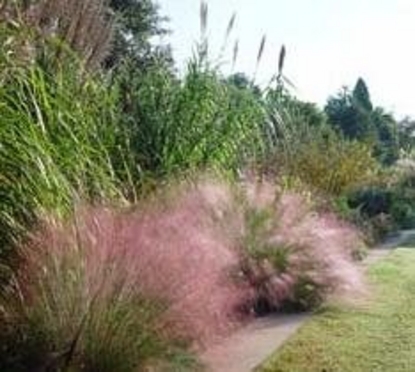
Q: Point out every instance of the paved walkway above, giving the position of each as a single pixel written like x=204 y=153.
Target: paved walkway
x=402 y=238
x=248 y=348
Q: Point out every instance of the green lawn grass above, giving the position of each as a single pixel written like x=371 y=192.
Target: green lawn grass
x=376 y=336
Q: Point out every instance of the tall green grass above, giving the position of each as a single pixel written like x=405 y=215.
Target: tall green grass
x=59 y=140
x=198 y=122
x=67 y=134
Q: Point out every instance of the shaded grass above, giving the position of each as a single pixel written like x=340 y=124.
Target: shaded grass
x=376 y=336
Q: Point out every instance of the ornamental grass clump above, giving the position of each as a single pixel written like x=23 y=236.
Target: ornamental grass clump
x=122 y=290
x=76 y=304
x=125 y=289
x=294 y=256
x=187 y=254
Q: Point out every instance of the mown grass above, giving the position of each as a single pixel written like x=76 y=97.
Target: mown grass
x=377 y=336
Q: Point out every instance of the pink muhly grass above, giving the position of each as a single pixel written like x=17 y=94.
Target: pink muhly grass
x=179 y=252
x=326 y=244
x=202 y=254
x=80 y=300
x=316 y=250
x=187 y=257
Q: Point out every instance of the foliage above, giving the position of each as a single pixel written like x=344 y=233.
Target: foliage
x=351 y=120
x=264 y=264
x=306 y=113
x=199 y=122
x=353 y=114
x=69 y=134
x=74 y=135
x=385 y=206
x=405 y=132
x=332 y=165
x=136 y=23
x=101 y=32
x=386 y=148
x=124 y=284
x=361 y=95
x=59 y=141
x=395 y=205
x=242 y=81
x=306 y=148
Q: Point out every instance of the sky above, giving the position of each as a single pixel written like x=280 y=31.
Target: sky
x=329 y=43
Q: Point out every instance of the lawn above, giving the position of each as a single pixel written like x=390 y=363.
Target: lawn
x=376 y=336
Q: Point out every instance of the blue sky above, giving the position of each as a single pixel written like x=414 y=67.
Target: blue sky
x=330 y=43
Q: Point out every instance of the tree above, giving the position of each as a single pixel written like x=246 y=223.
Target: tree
x=406 y=134
x=137 y=22
x=241 y=81
x=361 y=96
x=347 y=117
x=353 y=114
x=387 y=144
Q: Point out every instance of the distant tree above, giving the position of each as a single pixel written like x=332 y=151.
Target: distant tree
x=137 y=22
x=386 y=148
x=346 y=116
x=361 y=96
x=242 y=81
x=406 y=133
x=353 y=114
x=309 y=111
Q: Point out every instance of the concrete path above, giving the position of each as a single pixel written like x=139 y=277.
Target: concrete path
x=401 y=238
x=249 y=347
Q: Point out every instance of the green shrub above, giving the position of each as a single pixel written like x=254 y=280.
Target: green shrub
x=332 y=165
x=371 y=201
x=305 y=147
x=382 y=209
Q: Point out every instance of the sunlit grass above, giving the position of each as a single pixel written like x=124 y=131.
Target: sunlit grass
x=376 y=336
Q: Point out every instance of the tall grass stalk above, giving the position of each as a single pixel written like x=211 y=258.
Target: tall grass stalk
x=59 y=139
x=199 y=122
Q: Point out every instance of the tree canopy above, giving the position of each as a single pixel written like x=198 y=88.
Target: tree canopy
x=353 y=114
x=137 y=22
